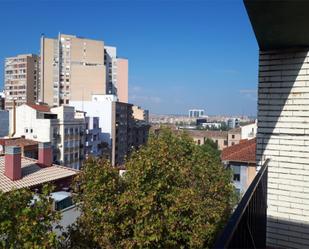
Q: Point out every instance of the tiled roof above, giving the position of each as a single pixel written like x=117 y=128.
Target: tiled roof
x=207 y=134
x=242 y=152
x=40 y=108
x=33 y=174
x=235 y=130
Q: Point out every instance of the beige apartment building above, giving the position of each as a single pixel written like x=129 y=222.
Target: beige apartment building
x=21 y=79
x=72 y=69
x=140 y=114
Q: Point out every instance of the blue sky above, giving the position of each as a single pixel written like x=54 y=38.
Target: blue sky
x=182 y=54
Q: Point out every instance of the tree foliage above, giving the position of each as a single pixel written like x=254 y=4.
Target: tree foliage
x=27 y=220
x=174 y=195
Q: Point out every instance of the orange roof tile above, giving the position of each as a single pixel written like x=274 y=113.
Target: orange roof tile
x=40 y=108
x=242 y=152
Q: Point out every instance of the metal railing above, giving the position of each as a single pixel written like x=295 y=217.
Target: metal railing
x=246 y=227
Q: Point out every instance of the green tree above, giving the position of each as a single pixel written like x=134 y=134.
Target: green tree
x=174 y=195
x=211 y=148
x=27 y=220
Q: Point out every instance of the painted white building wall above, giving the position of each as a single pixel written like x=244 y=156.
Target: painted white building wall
x=28 y=125
x=101 y=107
x=249 y=131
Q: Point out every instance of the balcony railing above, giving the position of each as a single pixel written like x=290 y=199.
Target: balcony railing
x=246 y=228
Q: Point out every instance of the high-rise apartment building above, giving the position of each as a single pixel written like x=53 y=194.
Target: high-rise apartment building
x=21 y=79
x=117 y=71
x=72 y=69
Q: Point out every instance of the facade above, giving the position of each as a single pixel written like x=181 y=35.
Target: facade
x=4 y=123
x=117 y=74
x=241 y=159
x=200 y=137
x=123 y=80
x=100 y=106
x=21 y=79
x=234 y=136
x=140 y=114
x=233 y=123
x=2 y=100
x=93 y=143
x=196 y=113
x=72 y=69
x=118 y=126
x=110 y=58
x=122 y=132
x=56 y=125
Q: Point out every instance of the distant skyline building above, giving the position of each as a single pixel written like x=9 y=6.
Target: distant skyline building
x=233 y=123
x=21 y=79
x=72 y=69
x=196 y=113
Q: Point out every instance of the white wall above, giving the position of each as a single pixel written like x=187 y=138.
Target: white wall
x=249 y=131
x=26 y=118
x=100 y=106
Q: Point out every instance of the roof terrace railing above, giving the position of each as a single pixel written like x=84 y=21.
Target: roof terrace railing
x=246 y=227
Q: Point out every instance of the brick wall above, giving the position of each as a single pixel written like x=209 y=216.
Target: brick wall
x=283 y=136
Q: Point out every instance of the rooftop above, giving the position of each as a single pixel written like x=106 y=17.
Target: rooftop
x=40 y=108
x=242 y=152
x=33 y=174
x=208 y=134
x=21 y=142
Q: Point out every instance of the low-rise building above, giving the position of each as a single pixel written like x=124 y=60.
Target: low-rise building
x=241 y=159
x=234 y=136
x=21 y=172
x=17 y=172
x=200 y=137
x=56 y=125
x=242 y=132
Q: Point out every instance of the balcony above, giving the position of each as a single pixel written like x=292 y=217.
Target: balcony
x=246 y=227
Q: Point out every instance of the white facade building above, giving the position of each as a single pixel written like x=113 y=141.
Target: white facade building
x=249 y=131
x=56 y=125
x=100 y=106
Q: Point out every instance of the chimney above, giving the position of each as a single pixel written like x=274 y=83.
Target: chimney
x=12 y=167
x=45 y=154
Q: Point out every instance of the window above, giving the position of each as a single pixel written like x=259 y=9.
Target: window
x=26 y=130
x=31 y=130
x=233 y=143
x=198 y=141
x=236 y=173
x=233 y=136
x=225 y=142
